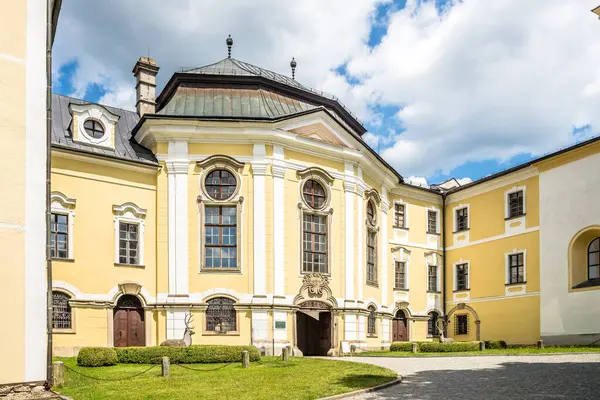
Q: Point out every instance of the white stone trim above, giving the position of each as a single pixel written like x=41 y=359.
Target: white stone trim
x=455 y=281
x=384 y=245
x=278 y=224
x=514 y=189
x=176 y=323
x=515 y=288
x=493 y=298
x=83 y=112
x=259 y=166
x=349 y=188
x=401 y=254
x=131 y=214
x=280 y=334
x=493 y=238
x=61 y=204
x=260 y=327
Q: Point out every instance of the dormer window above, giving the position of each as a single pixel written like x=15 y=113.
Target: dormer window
x=94 y=128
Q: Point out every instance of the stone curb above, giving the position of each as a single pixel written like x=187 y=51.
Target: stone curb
x=484 y=355
x=362 y=391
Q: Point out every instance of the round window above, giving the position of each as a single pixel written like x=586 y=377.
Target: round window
x=314 y=194
x=93 y=128
x=220 y=184
x=371 y=213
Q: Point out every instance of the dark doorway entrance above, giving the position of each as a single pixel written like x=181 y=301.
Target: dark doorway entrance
x=400 y=327
x=313 y=330
x=128 y=322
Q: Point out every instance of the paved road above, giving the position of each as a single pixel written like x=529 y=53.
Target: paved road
x=491 y=377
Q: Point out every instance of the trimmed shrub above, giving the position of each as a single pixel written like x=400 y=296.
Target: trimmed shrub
x=96 y=356
x=401 y=346
x=448 y=347
x=495 y=344
x=185 y=355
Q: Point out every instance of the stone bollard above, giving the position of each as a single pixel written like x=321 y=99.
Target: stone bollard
x=285 y=353
x=415 y=348
x=58 y=373
x=245 y=359
x=540 y=344
x=166 y=366
x=481 y=346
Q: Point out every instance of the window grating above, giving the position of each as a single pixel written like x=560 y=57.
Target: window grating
x=461 y=324
x=59 y=236
x=220 y=237
x=128 y=243
x=61 y=311
x=516 y=268
x=220 y=315
x=515 y=204
x=314 y=243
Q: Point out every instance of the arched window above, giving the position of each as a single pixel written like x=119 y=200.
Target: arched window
x=220 y=315
x=220 y=184
x=371 y=213
x=594 y=259
x=432 y=324
x=371 y=321
x=93 y=128
x=314 y=194
x=61 y=311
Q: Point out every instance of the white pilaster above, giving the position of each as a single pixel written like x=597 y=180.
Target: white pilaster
x=360 y=239
x=278 y=221
x=361 y=328
x=175 y=323
x=259 y=168
x=260 y=326
x=349 y=189
x=385 y=204
x=177 y=170
x=350 y=327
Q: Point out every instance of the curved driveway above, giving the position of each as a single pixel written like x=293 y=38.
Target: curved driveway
x=572 y=376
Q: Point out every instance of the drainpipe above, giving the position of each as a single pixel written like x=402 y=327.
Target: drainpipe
x=49 y=32
x=444 y=258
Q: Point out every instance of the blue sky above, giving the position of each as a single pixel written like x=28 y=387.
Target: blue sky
x=443 y=90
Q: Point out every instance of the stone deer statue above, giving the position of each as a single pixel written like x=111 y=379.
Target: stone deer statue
x=187 y=335
x=440 y=328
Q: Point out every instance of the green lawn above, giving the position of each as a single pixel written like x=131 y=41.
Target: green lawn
x=509 y=351
x=299 y=378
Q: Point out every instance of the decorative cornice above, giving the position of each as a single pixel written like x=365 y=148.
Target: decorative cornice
x=259 y=167
x=316 y=171
x=62 y=199
x=278 y=169
x=220 y=159
x=123 y=208
x=178 y=167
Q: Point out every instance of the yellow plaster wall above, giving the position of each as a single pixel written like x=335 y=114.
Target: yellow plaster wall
x=217 y=148
x=418 y=331
x=91 y=329
x=96 y=188
x=324 y=163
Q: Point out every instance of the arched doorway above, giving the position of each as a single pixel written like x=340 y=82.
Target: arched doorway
x=128 y=322
x=314 y=328
x=400 y=327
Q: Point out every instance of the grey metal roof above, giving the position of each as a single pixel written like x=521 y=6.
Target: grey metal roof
x=232 y=102
x=231 y=66
x=125 y=146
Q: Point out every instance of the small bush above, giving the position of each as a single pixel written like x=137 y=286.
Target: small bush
x=185 y=355
x=96 y=356
x=495 y=344
x=448 y=347
x=401 y=346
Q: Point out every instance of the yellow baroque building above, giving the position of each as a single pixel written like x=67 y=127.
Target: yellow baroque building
x=251 y=202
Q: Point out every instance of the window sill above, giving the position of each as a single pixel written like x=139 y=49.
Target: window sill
x=588 y=284
x=404 y=228
x=374 y=284
x=462 y=230
x=233 y=333
x=69 y=260
x=461 y=290
x=303 y=274
x=63 y=331
x=220 y=270
x=517 y=283
x=434 y=292
x=400 y=289
x=434 y=233
x=514 y=217
x=130 y=265
x=372 y=336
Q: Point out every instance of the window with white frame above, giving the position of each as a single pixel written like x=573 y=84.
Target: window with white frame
x=371 y=242
x=129 y=234
x=315 y=225
x=400 y=275
x=462 y=219
x=461 y=277
x=432 y=278
x=516 y=268
x=515 y=204
x=432 y=217
x=371 y=321
x=399 y=215
x=61 y=226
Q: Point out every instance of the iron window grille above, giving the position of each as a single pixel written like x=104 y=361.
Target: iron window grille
x=516 y=271
x=59 y=236
x=399 y=215
x=220 y=184
x=220 y=315
x=594 y=259
x=515 y=204
x=462 y=219
x=432 y=278
x=220 y=237
x=371 y=257
x=371 y=321
x=93 y=128
x=314 y=194
x=462 y=277
x=314 y=244
x=461 y=324
x=432 y=324
x=400 y=275
x=61 y=311
x=431 y=221
x=128 y=243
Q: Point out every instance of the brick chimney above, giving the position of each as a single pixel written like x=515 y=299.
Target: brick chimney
x=145 y=71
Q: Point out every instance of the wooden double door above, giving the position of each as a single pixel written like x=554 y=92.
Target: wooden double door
x=313 y=335
x=400 y=327
x=128 y=323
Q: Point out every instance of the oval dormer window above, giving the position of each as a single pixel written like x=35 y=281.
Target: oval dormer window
x=93 y=128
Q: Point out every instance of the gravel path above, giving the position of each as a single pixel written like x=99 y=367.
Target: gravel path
x=572 y=376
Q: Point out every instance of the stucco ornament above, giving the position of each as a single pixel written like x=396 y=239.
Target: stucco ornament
x=315 y=286
x=315 y=283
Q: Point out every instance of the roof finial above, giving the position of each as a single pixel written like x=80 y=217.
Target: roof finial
x=293 y=65
x=229 y=42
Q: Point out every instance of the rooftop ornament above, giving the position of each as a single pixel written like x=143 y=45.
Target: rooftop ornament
x=293 y=65
x=229 y=42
